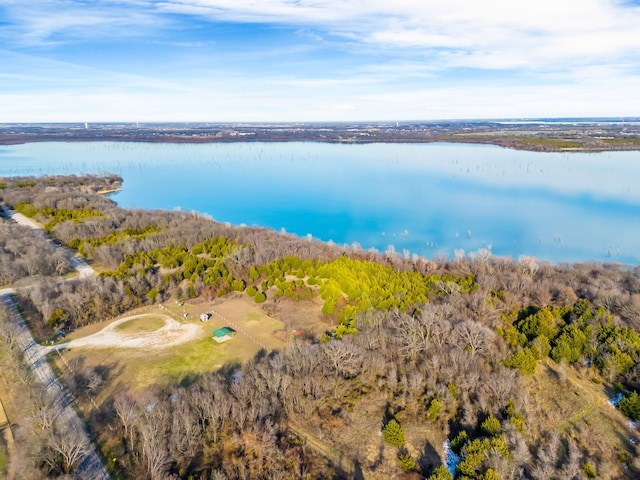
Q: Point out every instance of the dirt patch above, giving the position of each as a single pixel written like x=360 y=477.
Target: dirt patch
x=170 y=334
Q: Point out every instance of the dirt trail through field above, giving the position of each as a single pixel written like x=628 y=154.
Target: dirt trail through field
x=171 y=334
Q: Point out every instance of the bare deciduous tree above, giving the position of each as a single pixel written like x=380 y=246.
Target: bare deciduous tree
x=65 y=449
x=126 y=411
x=473 y=337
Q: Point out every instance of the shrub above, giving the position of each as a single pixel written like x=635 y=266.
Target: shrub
x=490 y=474
x=435 y=407
x=458 y=442
x=518 y=422
x=440 y=473
x=453 y=389
x=524 y=360
x=406 y=461
x=589 y=470
x=57 y=318
x=491 y=426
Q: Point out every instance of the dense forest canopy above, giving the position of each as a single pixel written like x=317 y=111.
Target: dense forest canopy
x=475 y=357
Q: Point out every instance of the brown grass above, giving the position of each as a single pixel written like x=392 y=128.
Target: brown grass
x=567 y=400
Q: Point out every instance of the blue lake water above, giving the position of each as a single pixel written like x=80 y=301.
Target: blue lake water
x=425 y=199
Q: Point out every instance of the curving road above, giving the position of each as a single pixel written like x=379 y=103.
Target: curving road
x=90 y=466
x=77 y=263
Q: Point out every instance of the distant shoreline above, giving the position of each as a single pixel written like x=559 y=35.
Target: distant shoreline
x=583 y=136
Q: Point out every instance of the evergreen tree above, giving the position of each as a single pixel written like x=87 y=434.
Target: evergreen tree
x=440 y=473
x=406 y=461
x=630 y=406
x=393 y=433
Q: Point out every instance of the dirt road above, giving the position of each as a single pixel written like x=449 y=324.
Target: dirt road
x=172 y=333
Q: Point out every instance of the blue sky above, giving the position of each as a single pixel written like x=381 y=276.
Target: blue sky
x=317 y=60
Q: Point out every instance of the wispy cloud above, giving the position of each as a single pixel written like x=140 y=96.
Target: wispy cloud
x=50 y=22
x=314 y=59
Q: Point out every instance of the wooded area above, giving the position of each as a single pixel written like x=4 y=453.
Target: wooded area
x=417 y=353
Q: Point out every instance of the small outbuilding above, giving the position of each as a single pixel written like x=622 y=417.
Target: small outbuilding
x=223 y=334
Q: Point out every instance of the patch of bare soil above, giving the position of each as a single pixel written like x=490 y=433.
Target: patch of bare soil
x=171 y=334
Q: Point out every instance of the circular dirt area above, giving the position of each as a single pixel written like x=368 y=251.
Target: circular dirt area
x=117 y=334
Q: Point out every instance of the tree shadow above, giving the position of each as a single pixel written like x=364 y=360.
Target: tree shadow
x=387 y=416
x=379 y=457
x=428 y=459
x=455 y=427
x=189 y=379
x=358 y=474
x=230 y=371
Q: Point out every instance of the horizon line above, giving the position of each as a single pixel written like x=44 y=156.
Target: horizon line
x=312 y=122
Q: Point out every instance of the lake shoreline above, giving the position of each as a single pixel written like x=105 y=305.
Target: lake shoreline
x=593 y=135
x=432 y=200
x=187 y=141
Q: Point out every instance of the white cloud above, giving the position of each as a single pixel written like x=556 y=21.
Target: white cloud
x=51 y=22
x=379 y=60
x=507 y=34
x=268 y=100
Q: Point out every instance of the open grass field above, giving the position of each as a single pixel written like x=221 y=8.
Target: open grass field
x=246 y=318
x=129 y=368
x=585 y=408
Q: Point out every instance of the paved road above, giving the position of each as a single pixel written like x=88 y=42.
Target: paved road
x=21 y=219
x=91 y=466
x=77 y=263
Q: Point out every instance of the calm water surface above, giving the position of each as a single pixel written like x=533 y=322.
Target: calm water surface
x=427 y=199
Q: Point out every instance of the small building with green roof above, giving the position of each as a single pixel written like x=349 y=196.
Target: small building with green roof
x=223 y=334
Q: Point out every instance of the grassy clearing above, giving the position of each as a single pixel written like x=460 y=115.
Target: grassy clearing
x=96 y=327
x=250 y=319
x=136 y=369
x=549 y=393
x=197 y=357
x=567 y=401
x=140 y=325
